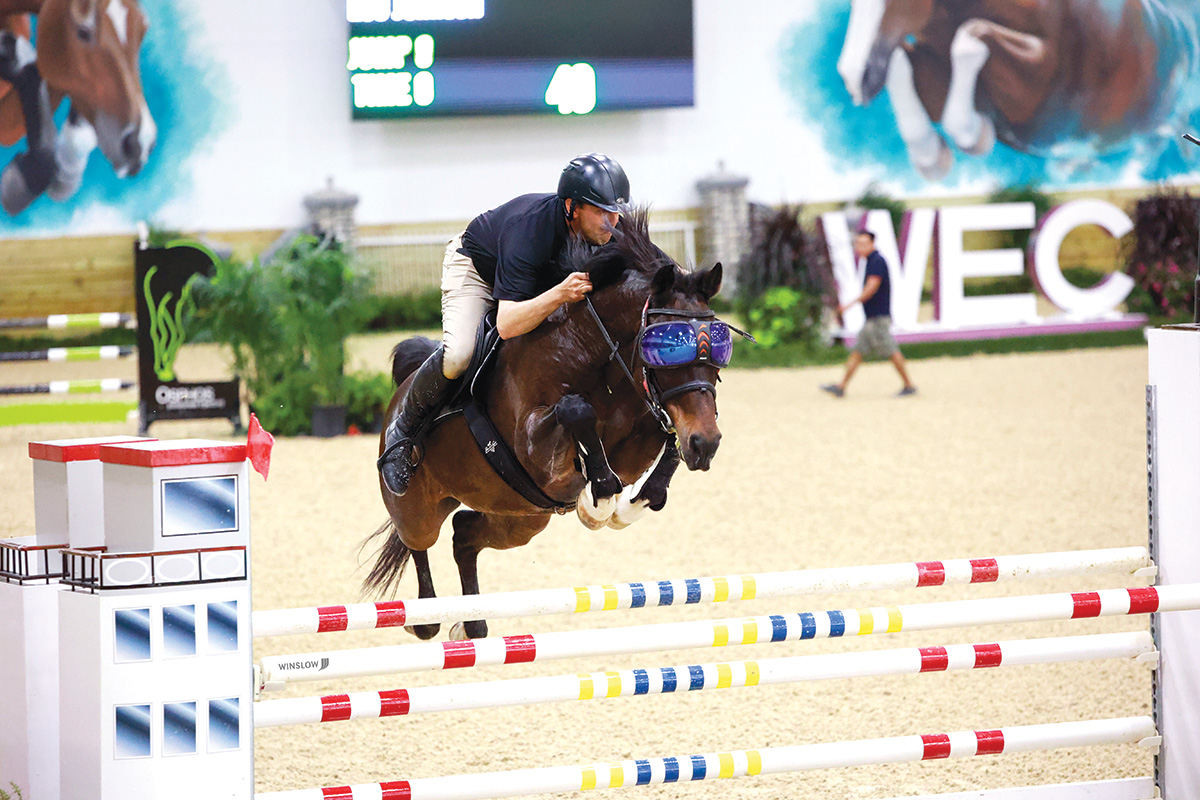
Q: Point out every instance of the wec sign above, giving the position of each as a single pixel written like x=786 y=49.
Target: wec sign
x=940 y=232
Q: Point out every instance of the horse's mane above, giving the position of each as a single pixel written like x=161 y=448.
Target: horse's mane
x=629 y=255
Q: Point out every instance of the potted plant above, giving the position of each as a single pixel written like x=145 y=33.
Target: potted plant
x=285 y=321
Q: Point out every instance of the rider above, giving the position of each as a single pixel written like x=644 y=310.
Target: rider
x=506 y=259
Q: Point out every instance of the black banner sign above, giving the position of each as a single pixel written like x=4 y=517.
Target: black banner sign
x=161 y=277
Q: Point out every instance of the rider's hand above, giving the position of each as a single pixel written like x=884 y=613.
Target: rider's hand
x=575 y=286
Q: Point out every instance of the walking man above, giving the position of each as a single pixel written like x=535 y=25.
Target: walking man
x=875 y=339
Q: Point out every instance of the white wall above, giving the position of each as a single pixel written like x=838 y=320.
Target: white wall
x=293 y=128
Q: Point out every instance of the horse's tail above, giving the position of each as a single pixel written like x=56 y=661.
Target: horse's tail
x=410 y=354
x=384 y=577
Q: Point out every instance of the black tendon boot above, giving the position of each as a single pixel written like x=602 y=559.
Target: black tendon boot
x=428 y=390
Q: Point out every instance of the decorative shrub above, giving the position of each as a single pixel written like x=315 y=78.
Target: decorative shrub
x=367 y=398
x=784 y=316
x=785 y=280
x=418 y=311
x=1042 y=202
x=285 y=322
x=1162 y=257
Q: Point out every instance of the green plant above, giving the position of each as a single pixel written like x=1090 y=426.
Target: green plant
x=1042 y=203
x=784 y=316
x=367 y=398
x=1162 y=257
x=285 y=322
x=417 y=311
x=784 y=281
x=16 y=795
x=329 y=301
x=873 y=197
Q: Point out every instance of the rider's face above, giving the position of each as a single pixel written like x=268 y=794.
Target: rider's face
x=592 y=223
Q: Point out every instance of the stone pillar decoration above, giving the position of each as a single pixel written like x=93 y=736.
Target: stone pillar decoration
x=331 y=213
x=725 y=233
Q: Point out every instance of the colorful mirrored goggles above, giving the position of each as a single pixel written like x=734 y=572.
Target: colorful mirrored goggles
x=679 y=343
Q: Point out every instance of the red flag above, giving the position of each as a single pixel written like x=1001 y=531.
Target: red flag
x=258 y=447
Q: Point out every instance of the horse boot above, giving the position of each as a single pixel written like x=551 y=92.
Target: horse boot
x=427 y=392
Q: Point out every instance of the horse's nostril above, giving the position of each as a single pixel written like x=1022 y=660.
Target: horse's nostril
x=131 y=148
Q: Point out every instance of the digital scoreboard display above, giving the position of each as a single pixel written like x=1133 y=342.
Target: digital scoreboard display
x=425 y=58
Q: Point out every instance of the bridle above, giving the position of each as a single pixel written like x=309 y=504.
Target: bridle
x=652 y=395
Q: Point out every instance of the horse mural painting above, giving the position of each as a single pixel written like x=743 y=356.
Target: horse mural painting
x=583 y=429
x=1065 y=79
x=86 y=52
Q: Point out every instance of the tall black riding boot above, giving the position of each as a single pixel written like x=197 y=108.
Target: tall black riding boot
x=428 y=390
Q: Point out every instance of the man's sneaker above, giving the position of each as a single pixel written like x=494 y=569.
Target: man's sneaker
x=906 y=391
x=833 y=389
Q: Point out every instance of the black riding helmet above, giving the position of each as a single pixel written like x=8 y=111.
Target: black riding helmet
x=595 y=179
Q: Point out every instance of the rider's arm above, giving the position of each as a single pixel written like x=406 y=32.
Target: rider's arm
x=869 y=289
x=515 y=317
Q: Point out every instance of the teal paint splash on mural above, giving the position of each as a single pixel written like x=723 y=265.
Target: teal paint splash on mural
x=857 y=137
x=186 y=93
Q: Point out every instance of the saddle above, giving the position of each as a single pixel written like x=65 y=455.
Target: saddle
x=468 y=400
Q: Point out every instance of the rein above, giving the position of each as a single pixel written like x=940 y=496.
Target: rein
x=653 y=403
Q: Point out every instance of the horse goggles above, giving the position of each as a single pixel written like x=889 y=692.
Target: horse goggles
x=679 y=343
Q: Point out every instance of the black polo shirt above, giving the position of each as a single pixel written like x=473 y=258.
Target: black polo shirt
x=880 y=303
x=515 y=247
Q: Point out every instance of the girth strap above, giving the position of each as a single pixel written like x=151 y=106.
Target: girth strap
x=504 y=461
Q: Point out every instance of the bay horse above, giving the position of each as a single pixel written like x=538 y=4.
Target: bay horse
x=1055 y=78
x=575 y=420
x=87 y=52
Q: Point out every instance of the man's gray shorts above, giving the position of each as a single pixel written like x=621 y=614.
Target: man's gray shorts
x=875 y=339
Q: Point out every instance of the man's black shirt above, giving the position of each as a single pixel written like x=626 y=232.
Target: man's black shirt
x=515 y=247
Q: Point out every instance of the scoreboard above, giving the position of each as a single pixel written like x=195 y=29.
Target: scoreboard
x=425 y=58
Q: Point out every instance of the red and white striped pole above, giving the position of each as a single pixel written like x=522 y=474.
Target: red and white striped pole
x=277 y=672
x=695 y=677
x=739 y=763
x=649 y=594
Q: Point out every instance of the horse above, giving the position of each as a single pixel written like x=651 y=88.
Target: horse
x=564 y=399
x=1055 y=78
x=87 y=52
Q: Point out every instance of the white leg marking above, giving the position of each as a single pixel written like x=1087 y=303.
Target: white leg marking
x=593 y=514
x=927 y=150
x=458 y=632
x=628 y=511
x=969 y=129
x=861 y=33
x=76 y=141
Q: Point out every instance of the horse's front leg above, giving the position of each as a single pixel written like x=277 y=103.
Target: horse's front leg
x=971 y=49
x=598 y=499
x=76 y=141
x=30 y=172
x=652 y=496
x=927 y=150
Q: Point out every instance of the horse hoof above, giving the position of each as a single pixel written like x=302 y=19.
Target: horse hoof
x=423 y=632
x=465 y=631
x=595 y=513
x=986 y=141
x=940 y=166
x=458 y=632
x=628 y=513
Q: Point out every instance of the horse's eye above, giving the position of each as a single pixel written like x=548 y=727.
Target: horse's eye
x=85 y=33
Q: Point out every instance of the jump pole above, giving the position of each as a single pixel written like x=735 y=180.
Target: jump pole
x=1133 y=561
x=276 y=672
x=738 y=763
x=695 y=677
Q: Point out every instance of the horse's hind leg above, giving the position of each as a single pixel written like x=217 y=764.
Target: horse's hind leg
x=420 y=559
x=473 y=532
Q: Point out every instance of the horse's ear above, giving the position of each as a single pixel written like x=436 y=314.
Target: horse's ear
x=710 y=282
x=664 y=280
